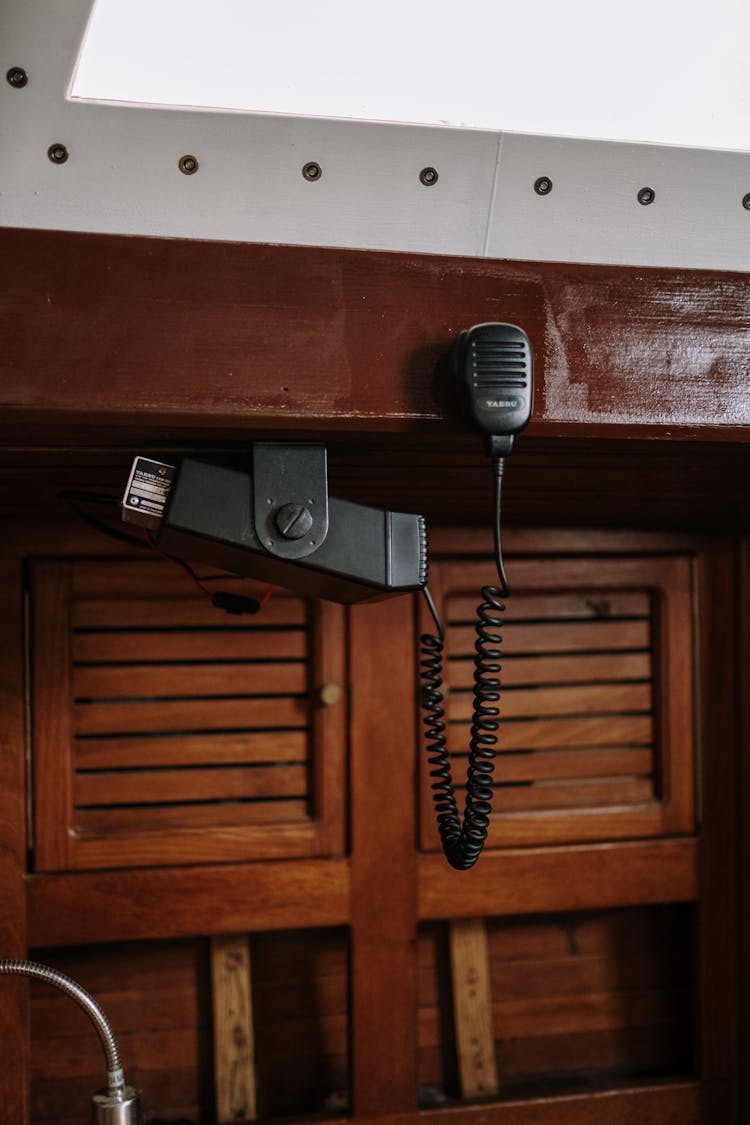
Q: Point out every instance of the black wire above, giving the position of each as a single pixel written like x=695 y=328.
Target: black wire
x=463 y=839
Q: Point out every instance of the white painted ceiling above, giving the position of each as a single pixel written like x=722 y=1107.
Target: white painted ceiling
x=492 y=101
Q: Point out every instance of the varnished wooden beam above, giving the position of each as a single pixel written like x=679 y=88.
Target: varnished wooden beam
x=383 y=907
x=183 y=901
x=571 y=877
x=106 y=335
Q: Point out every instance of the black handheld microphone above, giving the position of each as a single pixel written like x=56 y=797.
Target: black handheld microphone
x=495 y=363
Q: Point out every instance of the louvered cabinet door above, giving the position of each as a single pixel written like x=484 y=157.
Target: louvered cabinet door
x=596 y=727
x=167 y=731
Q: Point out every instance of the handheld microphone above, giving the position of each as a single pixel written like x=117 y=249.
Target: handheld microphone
x=495 y=363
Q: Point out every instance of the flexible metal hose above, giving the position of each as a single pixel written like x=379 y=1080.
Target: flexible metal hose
x=115 y=1079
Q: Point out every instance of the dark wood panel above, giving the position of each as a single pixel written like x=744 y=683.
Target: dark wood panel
x=743 y=672
x=188 y=308
x=206 y=645
x=580 y=877
x=13 y=992
x=560 y=636
x=670 y=1103
x=720 y=692
x=156 y=997
x=129 y=612
x=186 y=901
x=383 y=907
x=189 y=680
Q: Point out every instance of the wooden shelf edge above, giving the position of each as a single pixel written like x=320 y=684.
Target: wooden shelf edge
x=563 y=878
x=132 y=905
x=668 y=1103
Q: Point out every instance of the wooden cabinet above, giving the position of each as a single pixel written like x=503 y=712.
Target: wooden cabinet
x=167 y=731
x=167 y=776
x=189 y=780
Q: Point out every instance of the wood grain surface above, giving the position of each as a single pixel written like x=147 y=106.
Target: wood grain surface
x=144 y=335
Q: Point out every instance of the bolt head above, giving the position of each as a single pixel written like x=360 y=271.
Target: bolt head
x=293 y=521
x=17 y=77
x=428 y=176
x=746 y=201
x=58 y=153
x=543 y=185
x=312 y=171
x=188 y=164
x=646 y=196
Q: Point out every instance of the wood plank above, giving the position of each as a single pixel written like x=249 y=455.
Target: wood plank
x=472 y=1008
x=14 y=1041
x=186 y=901
x=219 y=643
x=667 y=1103
x=566 y=668
x=533 y=734
x=383 y=905
x=172 y=821
x=191 y=749
x=146 y=575
x=611 y=324
x=234 y=1052
x=534 y=702
x=548 y=765
x=581 y=793
x=154 y=786
x=572 y=877
x=52 y=729
x=720 y=1053
x=124 y=717
x=152 y=680
x=558 y=636
x=125 y=611
x=596 y=604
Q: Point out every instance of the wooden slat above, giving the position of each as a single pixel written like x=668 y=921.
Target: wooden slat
x=567 y=668
x=189 y=680
x=185 y=901
x=211 y=644
x=189 y=715
x=174 y=820
x=558 y=636
x=191 y=749
x=126 y=787
x=472 y=1008
x=598 y=604
x=145 y=575
x=570 y=877
x=531 y=734
x=574 y=700
x=166 y=611
x=548 y=765
x=582 y=793
x=234 y=1052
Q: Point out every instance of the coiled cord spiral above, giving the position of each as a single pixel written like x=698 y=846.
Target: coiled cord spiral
x=463 y=841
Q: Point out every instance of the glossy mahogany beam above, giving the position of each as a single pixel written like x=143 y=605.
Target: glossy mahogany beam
x=106 y=335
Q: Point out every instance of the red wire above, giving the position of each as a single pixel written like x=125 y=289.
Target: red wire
x=189 y=571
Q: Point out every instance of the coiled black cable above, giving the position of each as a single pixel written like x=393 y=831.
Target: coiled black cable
x=463 y=840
